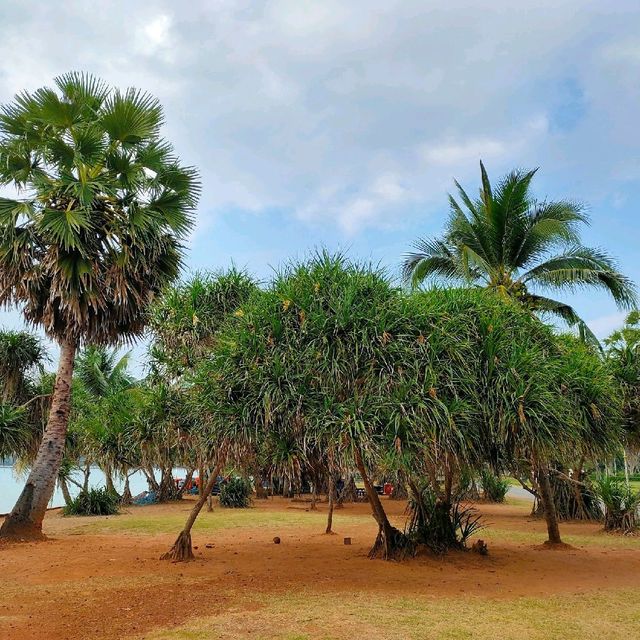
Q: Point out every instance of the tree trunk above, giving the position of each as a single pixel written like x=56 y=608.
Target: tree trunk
x=108 y=481
x=390 y=543
x=25 y=520
x=64 y=487
x=261 y=493
x=151 y=481
x=331 y=492
x=314 y=492
x=577 y=493
x=200 y=480
x=181 y=549
x=546 y=497
x=185 y=484
x=126 y=493
x=87 y=474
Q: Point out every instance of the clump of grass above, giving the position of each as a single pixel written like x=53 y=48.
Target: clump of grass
x=95 y=502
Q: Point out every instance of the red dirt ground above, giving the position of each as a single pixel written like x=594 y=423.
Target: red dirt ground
x=88 y=586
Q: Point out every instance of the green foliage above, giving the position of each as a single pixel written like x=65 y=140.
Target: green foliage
x=439 y=525
x=509 y=242
x=235 y=493
x=15 y=434
x=186 y=319
x=20 y=354
x=101 y=371
x=331 y=356
x=95 y=502
x=621 y=503
x=494 y=487
x=623 y=358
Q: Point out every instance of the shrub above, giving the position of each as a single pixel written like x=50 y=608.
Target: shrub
x=95 y=502
x=494 y=488
x=438 y=525
x=621 y=504
x=235 y=493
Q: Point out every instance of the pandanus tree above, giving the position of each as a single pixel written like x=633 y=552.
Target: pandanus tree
x=297 y=365
x=95 y=235
x=186 y=322
x=332 y=357
x=623 y=357
x=509 y=242
x=20 y=353
x=22 y=403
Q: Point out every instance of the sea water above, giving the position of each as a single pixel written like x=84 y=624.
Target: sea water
x=11 y=484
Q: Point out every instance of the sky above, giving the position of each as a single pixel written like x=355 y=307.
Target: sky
x=343 y=124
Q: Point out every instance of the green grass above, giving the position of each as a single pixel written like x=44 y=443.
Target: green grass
x=601 y=539
x=145 y=520
x=609 y=615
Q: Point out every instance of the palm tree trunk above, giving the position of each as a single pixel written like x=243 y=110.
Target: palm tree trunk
x=181 y=549
x=25 y=520
x=546 y=497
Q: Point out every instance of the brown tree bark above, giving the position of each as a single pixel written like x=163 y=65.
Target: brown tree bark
x=546 y=497
x=390 y=544
x=108 y=481
x=64 y=487
x=25 y=520
x=332 y=491
x=181 y=549
x=126 y=493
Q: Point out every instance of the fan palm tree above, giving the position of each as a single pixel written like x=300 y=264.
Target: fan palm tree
x=508 y=241
x=95 y=235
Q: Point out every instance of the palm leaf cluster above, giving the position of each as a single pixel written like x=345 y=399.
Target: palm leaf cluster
x=508 y=241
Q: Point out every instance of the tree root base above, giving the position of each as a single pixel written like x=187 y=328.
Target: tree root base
x=181 y=551
x=547 y=545
x=392 y=545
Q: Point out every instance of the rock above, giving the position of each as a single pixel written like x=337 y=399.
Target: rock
x=276 y=540
x=480 y=546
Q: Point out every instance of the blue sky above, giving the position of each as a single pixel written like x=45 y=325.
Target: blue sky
x=343 y=124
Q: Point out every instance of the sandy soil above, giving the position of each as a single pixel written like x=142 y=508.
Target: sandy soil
x=82 y=585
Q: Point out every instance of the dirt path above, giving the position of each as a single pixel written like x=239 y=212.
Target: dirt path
x=90 y=585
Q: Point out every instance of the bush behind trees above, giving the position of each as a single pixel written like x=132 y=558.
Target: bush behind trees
x=235 y=493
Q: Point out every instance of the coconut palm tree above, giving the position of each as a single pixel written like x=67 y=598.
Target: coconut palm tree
x=94 y=236
x=101 y=371
x=508 y=241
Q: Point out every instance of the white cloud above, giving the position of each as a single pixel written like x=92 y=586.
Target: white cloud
x=451 y=154
x=307 y=106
